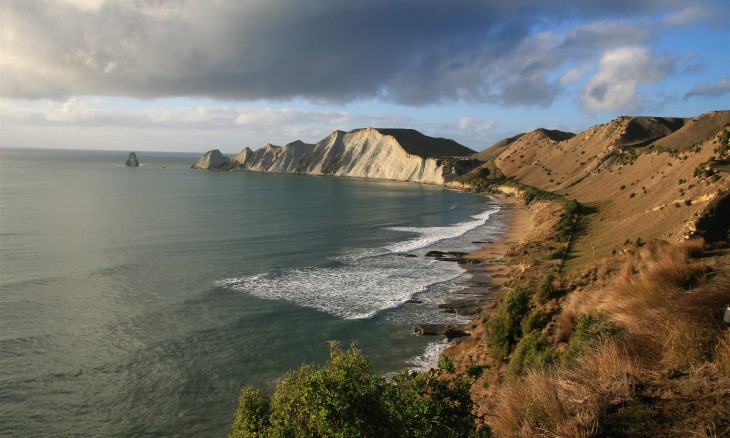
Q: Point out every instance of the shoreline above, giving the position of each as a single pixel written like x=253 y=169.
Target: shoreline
x=489 y=270
x=488 y=266
x=493 y=267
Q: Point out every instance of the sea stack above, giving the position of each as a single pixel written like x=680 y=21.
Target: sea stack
x=132 y=161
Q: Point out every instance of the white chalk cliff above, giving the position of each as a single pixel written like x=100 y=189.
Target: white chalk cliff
x=211 y=160
x=392 y=154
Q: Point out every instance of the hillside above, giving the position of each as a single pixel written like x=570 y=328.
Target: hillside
x=391 y=154
x=610 y=322
x=641 y=177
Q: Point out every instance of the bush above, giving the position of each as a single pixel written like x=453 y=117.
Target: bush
x=505 y=328
x=345 y=398
x=590 y=329
x=533 y=352
x=546 y=291
x=536 y=320
x=566 y=225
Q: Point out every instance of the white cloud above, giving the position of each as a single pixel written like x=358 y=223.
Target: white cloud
x=234 y=124
x=613 y=87
x=688 y=16
x=475 y=124
x=87 y=5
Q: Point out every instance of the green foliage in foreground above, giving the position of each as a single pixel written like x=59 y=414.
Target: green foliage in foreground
x=590 y=329
x=505 y=328
x=344 y=398
x=534 y=351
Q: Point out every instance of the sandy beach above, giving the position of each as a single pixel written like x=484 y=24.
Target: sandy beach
x=488 y=266
x=491 y=272
x=493 y=268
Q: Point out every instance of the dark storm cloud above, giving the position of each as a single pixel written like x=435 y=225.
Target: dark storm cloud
x=411 y=52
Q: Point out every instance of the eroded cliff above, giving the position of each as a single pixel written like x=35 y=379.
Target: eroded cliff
x=391 y=154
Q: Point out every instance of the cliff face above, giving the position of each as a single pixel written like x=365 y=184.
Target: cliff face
x=397 y=154
x=211 y=160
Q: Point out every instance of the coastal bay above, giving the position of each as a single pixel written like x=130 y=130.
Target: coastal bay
x=128 y=305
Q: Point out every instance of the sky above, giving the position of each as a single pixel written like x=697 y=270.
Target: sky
x=194 y=75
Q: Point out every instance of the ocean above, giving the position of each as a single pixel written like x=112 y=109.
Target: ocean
x=139 y=301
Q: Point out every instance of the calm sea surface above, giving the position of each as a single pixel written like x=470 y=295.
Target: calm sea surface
x=138 y=301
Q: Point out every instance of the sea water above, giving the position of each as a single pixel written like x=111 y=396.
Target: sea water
x=138 y=301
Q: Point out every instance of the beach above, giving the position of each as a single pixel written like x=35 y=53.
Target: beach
x=518 y=220
x=490 y=274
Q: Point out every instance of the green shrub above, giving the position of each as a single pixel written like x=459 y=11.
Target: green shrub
x=566 y=225
x=505 y=328
x=533 y=351
x=475 y=371
x=345 y=398
x=546 y=291
x=590 y=328
x=536 y=320
x=593 y=327
x=252 y=416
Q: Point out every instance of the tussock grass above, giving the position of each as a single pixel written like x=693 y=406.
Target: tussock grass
x=567 y=402
x=660 y=301
x=722 y=353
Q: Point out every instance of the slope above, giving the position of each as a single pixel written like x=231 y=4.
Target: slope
x=641 y=177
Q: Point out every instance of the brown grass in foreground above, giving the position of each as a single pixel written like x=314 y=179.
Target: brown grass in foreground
x=660 y=300
x=567 y=402
x=665 y=373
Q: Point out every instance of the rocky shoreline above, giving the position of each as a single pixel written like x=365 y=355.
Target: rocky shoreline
x=488 y=269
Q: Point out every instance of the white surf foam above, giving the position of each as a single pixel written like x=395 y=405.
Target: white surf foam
x=429 y=236
x=430 y=357
x=364 y=281
x=356 y=289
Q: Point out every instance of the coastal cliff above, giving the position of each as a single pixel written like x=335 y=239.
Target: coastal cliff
x=211 y=160
x=390 y=154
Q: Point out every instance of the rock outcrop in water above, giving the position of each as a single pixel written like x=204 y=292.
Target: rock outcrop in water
x=211 y=160
x=132 y=161
x=391 y=154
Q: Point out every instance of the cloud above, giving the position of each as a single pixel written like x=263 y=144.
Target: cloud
x=475 y=124
x=251 y=125
x=613 y=87
x=413 y=52
x=688 y=16
x=720 y=88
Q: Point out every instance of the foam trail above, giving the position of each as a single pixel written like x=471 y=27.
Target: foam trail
x=430 y=357
x=357 y=289
x=432 y=235
x=364 y=281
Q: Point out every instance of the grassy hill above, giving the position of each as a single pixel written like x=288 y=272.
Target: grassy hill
x=611 y=322
x=641 y=177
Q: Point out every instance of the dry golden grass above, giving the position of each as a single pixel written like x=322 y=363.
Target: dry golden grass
x=722 y=353
x=567 y=402
x=659 y=299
